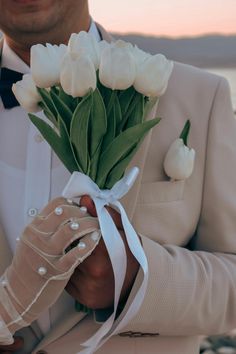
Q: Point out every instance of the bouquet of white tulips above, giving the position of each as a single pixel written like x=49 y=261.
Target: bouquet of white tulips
x=96 y=97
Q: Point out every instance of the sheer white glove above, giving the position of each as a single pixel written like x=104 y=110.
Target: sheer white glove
x=44 y=262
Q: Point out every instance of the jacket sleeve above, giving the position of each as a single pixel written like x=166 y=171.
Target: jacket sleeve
x=194 y=292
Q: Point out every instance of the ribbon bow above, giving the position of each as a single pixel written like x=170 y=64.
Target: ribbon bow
x=79 y=185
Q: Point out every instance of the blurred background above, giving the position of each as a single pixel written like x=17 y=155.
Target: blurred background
x=200 y=33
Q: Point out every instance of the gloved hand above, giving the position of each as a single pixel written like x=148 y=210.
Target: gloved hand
x=44 y=262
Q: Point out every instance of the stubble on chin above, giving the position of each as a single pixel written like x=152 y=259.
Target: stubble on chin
x=30 y=23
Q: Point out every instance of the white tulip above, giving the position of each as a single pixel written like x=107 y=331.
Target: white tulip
x=153 y=75
x=179 y=161
x=84 y=43
x=26 y=94
x=140 y=55
x=45 y=64
x=78 y=75
x=117 y=67
x=101 y=46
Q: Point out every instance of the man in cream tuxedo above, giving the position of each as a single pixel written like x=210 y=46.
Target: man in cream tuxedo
x=187 y=227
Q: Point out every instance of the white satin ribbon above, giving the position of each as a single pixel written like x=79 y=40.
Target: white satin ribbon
x=79 y=185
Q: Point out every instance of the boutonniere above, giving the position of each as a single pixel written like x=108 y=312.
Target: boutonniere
x=179 y=160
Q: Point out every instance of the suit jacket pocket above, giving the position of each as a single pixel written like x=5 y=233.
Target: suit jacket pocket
x=159 y=212
x=161 y=192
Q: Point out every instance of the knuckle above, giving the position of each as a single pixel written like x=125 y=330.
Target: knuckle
x=98 y=272
x=57 y=201
x=90 y=303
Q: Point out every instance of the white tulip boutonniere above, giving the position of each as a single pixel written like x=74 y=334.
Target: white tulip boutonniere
x=179 y=160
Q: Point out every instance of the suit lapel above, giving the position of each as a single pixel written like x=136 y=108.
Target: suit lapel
x=129 y=200
x=5 y=251
x=61 y=328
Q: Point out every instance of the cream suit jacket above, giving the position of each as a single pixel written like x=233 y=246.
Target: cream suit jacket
x=188 y=229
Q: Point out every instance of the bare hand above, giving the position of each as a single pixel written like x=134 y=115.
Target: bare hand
x=92 y=283
x=10 y=349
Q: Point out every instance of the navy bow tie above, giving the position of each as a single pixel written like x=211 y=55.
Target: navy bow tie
x=7 y=79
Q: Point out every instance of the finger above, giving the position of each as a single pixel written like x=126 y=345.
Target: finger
x=51 y=206
x=17 y=345
x=56 y=243
x=58 y=216
x=87 y=202
x=84 y=248
x=116 y=217
x=73 y=231
x=73 y=291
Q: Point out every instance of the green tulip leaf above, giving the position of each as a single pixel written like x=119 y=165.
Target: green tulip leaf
x=149 y=104
x=97 y=130
x=125 y=99
x=60 y=144
x=111 y=130
x=113 y=121
x=117 y=114
x=185 y=132
x=65 y=137
x=119 y=148
x=135 y=101
x=104 y=91
x=118 y=170
x=79 y=131
x=48 y=102
x=62 y=109
x=68 y=100
x=98 y=122
x=137 y=115
x=111 y=98
x=48 y=114
x=94 y=163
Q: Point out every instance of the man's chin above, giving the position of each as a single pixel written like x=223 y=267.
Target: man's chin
x=29 y=16
x=21 y=7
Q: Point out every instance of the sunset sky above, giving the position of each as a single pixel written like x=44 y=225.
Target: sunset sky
x=166 y=17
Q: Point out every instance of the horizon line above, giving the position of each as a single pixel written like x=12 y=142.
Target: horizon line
x=195 y=36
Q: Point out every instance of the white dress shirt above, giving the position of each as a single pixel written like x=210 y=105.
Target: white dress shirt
x=30 y=175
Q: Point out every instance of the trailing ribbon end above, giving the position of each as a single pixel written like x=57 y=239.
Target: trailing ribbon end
x=131 y=176
x=81 y=184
